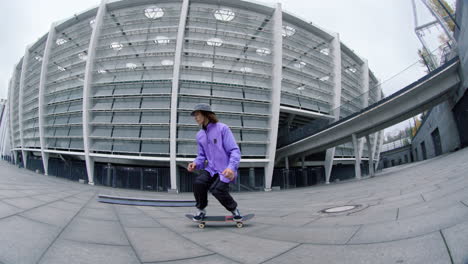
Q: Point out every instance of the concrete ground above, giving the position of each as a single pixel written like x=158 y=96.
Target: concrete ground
x=415 y=213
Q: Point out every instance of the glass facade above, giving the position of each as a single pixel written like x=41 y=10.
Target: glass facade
x=227 y=56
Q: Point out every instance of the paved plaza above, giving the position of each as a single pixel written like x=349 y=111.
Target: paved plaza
x=414 y=213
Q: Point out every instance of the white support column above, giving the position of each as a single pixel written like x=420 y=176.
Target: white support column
x=357 y=152
x=10 y=117
x=276 y=76
x=377 y=142
x=4 y=129
x=371 y=156
x=365 y=91
x=175 y=94
x=286 y=162
x=380 y=136
x=87 y=86
x=336 y=52
x=24 y=66
x=41 y=99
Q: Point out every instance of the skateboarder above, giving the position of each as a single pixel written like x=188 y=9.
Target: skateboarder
x=217 y=145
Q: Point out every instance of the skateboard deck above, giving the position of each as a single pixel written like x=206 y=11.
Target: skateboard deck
x=221 y=219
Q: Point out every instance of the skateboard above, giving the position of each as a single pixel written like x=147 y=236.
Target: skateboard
x=220 y=218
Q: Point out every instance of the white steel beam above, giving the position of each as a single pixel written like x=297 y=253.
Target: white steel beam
x=10 y=103
x=87 y=86
x=357 y=155
x=336 y=52
x=24 y=66
x=175 y=94
x=276 y=76
x=41 y=99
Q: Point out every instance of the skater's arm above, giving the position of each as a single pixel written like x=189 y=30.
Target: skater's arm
x=231 y=148
x=201 y=157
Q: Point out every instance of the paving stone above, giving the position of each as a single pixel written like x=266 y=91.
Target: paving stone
x=23 y=240
x=72 y=252
x=457 y=241
x=410 y=227
x=425 y=249
x=137 y=220
x=99 y=214
x=50 y=215
x=320 y=235
x=160 y=244
x=241 y=248
x=95 y=231
x=24 y=203
x=66 y=206
x=7 y=210
x=210 y=259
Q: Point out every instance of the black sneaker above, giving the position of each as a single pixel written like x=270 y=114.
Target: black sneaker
x=199 y=215
x=236 y=215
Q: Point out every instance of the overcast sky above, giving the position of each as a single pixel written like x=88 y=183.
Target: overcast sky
x=380 y=31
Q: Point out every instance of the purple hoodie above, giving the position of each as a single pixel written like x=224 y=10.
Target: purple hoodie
x=218 y=146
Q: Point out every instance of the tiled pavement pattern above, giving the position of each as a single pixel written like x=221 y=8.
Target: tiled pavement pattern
x=416 y=213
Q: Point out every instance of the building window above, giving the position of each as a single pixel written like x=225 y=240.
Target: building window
x=161 y=40
x=325 y=51
x=167 y=62
x=224 y=14
x=92 y=22
x=300 y=64
x=208 y=64
x=214 y=42
x=131 y=66
x=154 y=12
x=263 y=51
x=288 y=31
x=245 y=69
x=116 y=46
x=61 y=41
x=82 y=56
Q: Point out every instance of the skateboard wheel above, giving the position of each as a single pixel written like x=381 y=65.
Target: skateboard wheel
x=201 y=225
x=239 y=225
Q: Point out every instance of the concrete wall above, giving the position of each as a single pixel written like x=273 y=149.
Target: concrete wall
x=441 y=118
x=395 y=157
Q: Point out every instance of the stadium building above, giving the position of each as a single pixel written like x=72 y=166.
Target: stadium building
x=105 y=96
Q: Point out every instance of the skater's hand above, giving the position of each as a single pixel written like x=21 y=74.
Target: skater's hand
x=228 y=173
x=191 y=167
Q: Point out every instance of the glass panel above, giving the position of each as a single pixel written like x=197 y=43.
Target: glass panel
x=155 y=132
x=101 y=145
x=156 y=102
x=187 y=148
x=226 y=106
x=133 y=132
x=155 y=147
x=101 y=132
x=254 y=135
x=102 y=117
x=187 y=132
x=253 y=150
x=126 y=118
x=76 y=144
x=252 y=108
x=127 y=103
x=126 y=146
x=76 y=131
x=155 y=117
x=255 y=122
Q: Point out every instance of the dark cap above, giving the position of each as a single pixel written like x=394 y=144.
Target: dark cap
x=202 y=107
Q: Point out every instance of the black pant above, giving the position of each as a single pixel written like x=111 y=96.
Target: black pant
x=219 y=189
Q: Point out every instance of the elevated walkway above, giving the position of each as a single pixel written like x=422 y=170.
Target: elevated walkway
x=417 y=97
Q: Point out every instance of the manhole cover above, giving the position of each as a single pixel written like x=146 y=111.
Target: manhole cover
x=340 y=209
